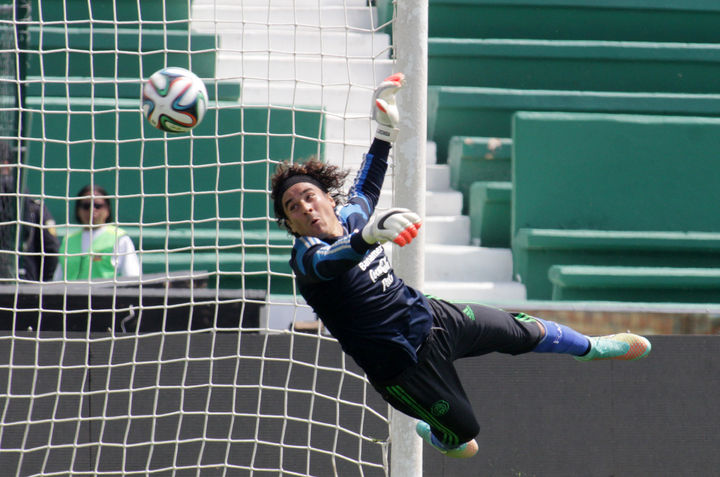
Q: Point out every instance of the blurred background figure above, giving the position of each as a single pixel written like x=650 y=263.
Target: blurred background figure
x=99 y=249
x=28 y=237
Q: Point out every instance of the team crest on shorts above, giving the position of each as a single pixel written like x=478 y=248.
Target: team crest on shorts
x=440 y=408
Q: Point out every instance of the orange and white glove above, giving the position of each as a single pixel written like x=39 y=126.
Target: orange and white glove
x=384 y=110
x=392 y=225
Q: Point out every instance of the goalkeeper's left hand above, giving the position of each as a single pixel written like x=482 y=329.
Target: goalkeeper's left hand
x=396 y=225
x=385 y=110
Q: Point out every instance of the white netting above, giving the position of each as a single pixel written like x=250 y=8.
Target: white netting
x=149 y=375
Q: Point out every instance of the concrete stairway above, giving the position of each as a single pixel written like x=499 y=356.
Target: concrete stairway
x=454 y=269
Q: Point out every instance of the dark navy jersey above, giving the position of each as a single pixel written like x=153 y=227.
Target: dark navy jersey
x=374 y=315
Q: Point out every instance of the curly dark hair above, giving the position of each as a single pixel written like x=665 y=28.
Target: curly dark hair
x=330 y=177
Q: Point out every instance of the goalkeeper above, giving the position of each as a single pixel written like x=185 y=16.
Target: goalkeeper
x=404 y=341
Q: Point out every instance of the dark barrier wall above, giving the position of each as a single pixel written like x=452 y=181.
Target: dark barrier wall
x=540 y=415
x=204 y=399
x=551 y=416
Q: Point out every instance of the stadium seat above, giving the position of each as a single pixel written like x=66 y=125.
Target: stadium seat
x=109 y=88
x=623 y=20
x=487 y=112
x=535 y=251
x=60 y=51
x=490 y=213
x=637 y=284
x=608 y=189
x=574 y=65
x=473 y=159
x=168 y=14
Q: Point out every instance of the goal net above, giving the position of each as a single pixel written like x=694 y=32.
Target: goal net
x=195 y=366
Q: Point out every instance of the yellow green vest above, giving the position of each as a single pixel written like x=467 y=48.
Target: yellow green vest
x=95 y=264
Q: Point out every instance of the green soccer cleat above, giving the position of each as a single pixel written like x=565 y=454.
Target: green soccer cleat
x=622 y=346
x=462 y=451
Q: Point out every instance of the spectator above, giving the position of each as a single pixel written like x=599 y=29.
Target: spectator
x=38 y=236
x=100 y=249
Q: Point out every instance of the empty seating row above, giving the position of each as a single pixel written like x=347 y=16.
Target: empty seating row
x=623 y=20
x=574 y=65
x=487 y=112
x=167 y=14
x=618 y=190
x=116 y=53
x=650 y=284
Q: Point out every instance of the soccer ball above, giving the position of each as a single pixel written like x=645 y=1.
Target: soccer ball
x=174 y=100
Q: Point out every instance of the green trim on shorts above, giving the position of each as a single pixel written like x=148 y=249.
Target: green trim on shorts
x=450 y=438
x=524 y=317
x=469 y=312
x=469 y=302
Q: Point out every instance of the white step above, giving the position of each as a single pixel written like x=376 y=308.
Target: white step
x=444 y=202
x=486 y=292
x=281 y=3
x=291 y=40
x=335 y=99
x=436 y=202
x=225 y=16
x=447 y=230
x=431 y=154
x=349 y=156
x=467 y=263
x=438 y=177
x=278 y=66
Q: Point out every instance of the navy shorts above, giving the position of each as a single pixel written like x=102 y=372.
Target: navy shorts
x=431 y=389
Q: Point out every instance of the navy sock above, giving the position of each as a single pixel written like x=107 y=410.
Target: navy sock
x=562 y=339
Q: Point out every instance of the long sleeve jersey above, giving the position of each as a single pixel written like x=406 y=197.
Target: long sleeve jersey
x=377 y=319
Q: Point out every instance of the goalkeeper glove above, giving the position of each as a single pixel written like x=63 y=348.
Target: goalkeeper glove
x=396 y=225
x=385 y=110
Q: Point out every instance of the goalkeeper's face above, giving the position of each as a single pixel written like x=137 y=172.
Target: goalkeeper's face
x=310 y=212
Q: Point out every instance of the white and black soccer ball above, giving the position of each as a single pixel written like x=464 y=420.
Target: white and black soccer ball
x=174 y=100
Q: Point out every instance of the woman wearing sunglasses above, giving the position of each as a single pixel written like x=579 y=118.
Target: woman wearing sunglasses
x=99 y=249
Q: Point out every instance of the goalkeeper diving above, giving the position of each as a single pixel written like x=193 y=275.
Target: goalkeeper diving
x=405 y=342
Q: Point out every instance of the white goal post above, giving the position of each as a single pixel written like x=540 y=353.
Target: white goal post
x=195 y=367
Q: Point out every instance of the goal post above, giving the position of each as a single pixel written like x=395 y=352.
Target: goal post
x=410 y=35
x=195 y=366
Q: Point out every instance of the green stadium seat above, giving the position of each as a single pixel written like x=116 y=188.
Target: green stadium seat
x=636 y=284
x=487 y=112
x=116 y=53
x=606 y=189
x=623 y=20
x=574 y=65
x=473 y=159
x=535 y=251
x=227 y=269
x=490 y=213
x=126 y=88
x=177 y=238
x=165 y=14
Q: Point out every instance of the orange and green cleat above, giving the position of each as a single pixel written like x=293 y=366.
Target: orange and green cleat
x=622 y=346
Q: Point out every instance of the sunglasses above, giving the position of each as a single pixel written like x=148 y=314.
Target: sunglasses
x=88 y=205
